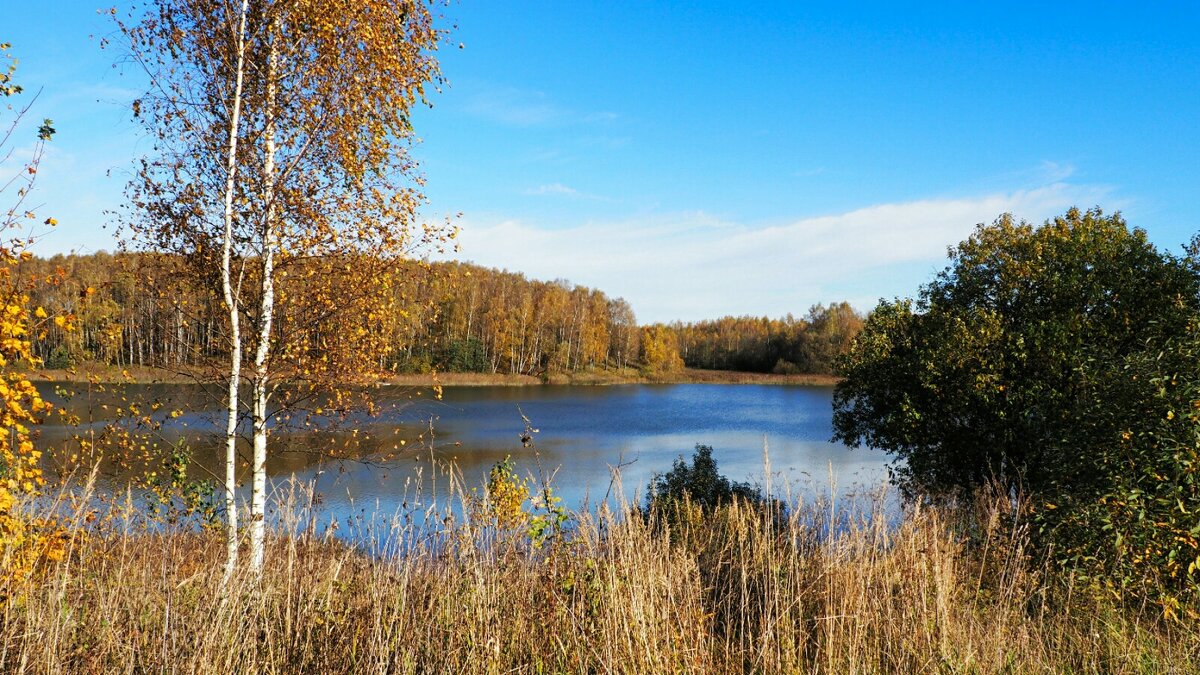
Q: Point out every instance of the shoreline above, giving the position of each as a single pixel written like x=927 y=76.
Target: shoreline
x=145 y=375
x=600 y=378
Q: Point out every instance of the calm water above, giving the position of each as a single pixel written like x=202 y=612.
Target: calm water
x=584 y=433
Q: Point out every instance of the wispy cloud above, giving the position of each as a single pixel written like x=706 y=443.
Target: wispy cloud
x=527 y=108
x=695 y=265
x=82 y=93
x=509 y=105
x=559 y=190
x=1054 y=172
x=600 y=117
x=808 y=173
x=554 y=189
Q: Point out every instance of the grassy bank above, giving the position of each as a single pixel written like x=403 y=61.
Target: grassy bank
x=113 y=374
x=734 y=592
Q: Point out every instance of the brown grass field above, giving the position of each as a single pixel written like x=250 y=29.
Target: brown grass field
x=736 y=591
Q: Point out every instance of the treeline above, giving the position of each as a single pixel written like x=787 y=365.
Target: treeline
x=474 y=319
x=759 y=344
x=123 y=310
x=141 y=309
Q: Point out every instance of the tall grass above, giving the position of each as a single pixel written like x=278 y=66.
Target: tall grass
x=739 y=590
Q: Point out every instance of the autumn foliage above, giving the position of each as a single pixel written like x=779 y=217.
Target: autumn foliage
x=143 y=310
x=25 y=540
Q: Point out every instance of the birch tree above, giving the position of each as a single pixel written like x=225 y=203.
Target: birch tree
x=306 y=104
x=339 y=196
x=231 y=296
x=186 y=195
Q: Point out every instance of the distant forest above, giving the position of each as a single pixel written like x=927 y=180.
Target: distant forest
x=132 y=309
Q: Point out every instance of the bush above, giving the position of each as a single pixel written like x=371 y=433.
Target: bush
x=1139 y=533
x=698 y=484
x=59 y=359
x=989 y=374
x=466 y=356
x=1059 y=361
x=783 y=367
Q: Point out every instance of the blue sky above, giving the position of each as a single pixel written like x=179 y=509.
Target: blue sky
x=710 y=158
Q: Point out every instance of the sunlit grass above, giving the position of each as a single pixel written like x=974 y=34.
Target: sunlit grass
x=428 y=590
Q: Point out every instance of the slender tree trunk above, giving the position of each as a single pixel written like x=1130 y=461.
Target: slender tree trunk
x=179 y=336
x=471 y=311
x=231 y=304
x=261 y=380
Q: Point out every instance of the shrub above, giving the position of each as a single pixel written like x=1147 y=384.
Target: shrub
x=1060 y=361
x=59 y=358
x=698 y=483
x=1138 y=534
x=466 y=356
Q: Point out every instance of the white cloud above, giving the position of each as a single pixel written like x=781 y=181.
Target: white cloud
x=1053 y=172
x=809 y=173
x=693 y=265
x=509 y=105
x=602 y=116
x=554 y=189
x=102 y=98
x=527 y=108
x=560 y=190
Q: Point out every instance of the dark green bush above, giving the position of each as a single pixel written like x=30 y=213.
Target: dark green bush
x=59 y=358
x=466 y=356
x=698 y=484
x=1138 y=533
x=1061 y=362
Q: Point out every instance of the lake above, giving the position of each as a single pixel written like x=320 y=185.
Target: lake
x=584 y=433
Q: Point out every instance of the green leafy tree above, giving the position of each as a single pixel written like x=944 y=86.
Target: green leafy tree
x=1139 y=530
x=992 y=372
x=1049 y=359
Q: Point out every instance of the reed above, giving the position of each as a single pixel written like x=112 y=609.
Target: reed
x=443 y=589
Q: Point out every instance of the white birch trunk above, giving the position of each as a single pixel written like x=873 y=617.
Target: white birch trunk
x=261 y=379
x=231 y=304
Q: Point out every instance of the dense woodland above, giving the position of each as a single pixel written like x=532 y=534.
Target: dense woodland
x=759 y=344
x=139 y=309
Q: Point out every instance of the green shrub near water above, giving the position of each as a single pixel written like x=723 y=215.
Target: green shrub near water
x=1139 y=534
x=698 y=483
x=1063 y=362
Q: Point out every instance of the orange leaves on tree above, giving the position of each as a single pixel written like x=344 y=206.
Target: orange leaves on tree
x=25 y=541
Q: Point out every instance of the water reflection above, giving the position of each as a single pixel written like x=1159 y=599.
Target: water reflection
x=584 y=432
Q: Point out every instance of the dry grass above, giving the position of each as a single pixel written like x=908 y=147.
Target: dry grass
x=731 y=593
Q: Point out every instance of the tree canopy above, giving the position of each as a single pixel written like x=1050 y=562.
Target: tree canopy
x=996 y=369
x=1060 y=361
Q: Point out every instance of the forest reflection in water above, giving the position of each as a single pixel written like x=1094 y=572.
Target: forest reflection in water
x=367 y=464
